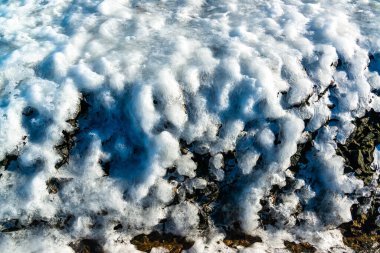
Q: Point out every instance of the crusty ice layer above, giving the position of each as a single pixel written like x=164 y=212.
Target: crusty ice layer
x=220 y=75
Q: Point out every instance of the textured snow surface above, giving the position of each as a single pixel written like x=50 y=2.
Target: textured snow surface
x=227 y=75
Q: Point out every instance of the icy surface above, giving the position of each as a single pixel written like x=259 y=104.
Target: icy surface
x=149 y=77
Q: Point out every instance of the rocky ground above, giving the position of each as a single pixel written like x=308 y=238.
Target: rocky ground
x=362 y=234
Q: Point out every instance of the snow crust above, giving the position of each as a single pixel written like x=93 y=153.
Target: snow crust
x=226 y=75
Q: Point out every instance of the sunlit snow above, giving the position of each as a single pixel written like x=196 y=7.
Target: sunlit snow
x=151 y=78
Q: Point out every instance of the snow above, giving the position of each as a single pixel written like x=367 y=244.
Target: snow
x=223 y=76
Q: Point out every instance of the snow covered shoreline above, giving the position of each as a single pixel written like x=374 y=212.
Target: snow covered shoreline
x=182 y=117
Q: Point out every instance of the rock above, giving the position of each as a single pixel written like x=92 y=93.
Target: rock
x=173 y=243
x=7 y=160
x=358 y=149
x=235 y=238
x=363 y=243
x=86 y=246
x=303 y=247
x=68 y=141
x=10 y=225
x=54 y=184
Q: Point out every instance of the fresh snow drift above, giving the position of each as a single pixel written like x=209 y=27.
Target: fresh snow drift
x=100 y=99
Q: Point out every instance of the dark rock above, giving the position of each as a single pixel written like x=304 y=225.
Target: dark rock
x=364 y=243
x=173 y=243
x=234 y=238
x=362 y=234
x=65 y=146
x=28 y=111
x=358 y=149
x=53 y=185
x=106 y=166
x=7 y=160
x=86 y=246
x=68 y=141
x=10 y=225
x=303 y=247
x=63 y=221
x=117 y=227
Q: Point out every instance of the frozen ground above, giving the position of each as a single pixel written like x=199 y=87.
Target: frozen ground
x=115 y=114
